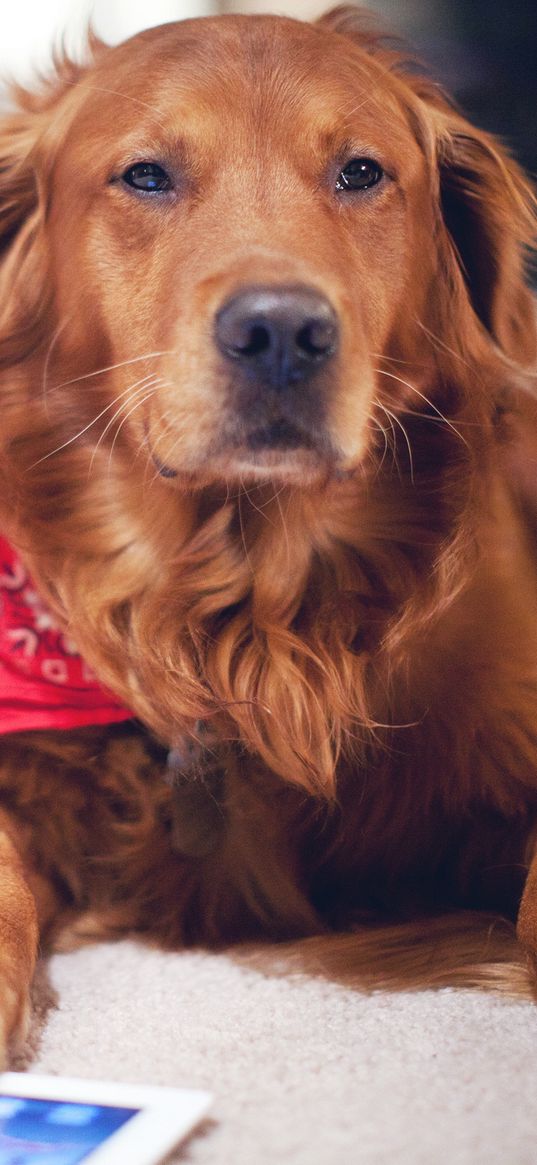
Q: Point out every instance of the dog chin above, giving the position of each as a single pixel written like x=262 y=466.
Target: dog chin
x=297 y=467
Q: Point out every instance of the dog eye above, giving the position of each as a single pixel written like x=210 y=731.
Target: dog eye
x=359 y=174
x=147 y=177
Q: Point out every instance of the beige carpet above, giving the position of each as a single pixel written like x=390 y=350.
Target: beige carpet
x=303 y=1072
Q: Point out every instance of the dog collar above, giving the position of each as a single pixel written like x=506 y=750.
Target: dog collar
x=44 y=682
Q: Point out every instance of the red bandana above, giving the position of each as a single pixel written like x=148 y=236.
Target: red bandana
x=44 y=683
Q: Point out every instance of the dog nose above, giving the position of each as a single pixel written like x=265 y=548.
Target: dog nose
x=281 y=334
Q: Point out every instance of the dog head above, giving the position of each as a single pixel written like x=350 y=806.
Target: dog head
x=236 y=252
x=251 y=224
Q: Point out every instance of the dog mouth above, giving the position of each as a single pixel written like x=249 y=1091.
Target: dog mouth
x=279 y=434
x=163 y=469
x=280 y=447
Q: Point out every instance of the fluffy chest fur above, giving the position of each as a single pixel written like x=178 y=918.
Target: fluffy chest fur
x=269 y=458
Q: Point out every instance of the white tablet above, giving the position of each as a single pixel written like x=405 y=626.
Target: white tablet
x=57 y=1120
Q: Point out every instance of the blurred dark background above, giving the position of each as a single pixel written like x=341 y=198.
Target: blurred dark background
x=485 y=53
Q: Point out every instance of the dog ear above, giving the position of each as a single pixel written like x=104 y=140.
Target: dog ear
x=26 y=153
x=488 y=210
x=22 y=277
x=487 y=207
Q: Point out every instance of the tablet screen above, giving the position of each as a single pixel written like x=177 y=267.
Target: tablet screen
x=53 y=1132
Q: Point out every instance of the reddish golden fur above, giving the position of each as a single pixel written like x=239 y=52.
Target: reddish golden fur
x=358 y=629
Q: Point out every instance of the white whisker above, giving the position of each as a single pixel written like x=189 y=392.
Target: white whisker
x=261 y=509
x=136 y=390
x=391 y=359
x=437 y=340
x=141 y=401
x=71 y=440
x=241 y=525
x=412 y=387
x=125 y=96
x=395 y=418
x=375 y=421
x=55 y=337
x=389 y=417
x=112 y=368
x=170 y=454
x=159 y=383
x=284 y=524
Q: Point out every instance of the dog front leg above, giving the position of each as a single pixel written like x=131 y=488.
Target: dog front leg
x=18 y=948
x=527 y=915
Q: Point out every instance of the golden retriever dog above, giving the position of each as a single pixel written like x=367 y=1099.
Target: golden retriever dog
x=268 y=511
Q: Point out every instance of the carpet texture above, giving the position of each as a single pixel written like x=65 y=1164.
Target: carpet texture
x=304 y=1072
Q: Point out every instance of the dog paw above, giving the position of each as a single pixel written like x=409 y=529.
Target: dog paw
x=15 y=1018
x=527 y=916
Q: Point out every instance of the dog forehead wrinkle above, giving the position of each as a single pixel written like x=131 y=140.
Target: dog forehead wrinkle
x=253 y=65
